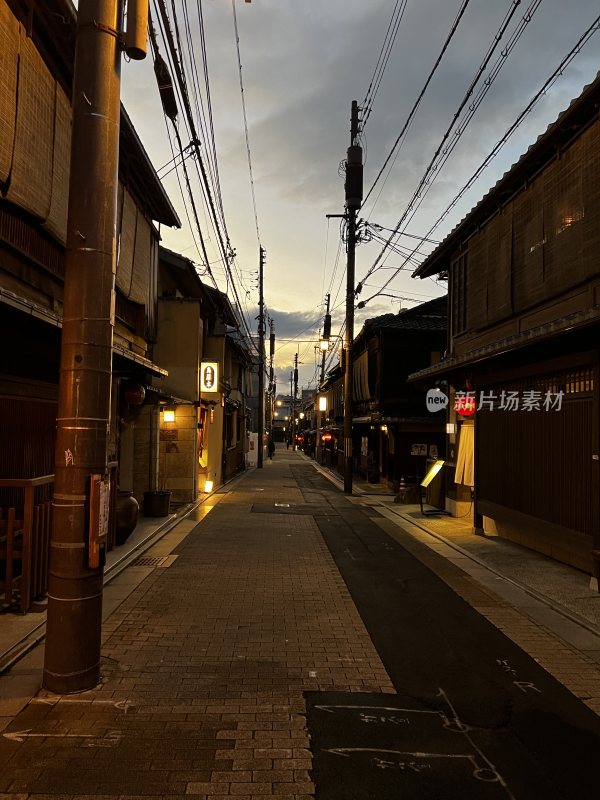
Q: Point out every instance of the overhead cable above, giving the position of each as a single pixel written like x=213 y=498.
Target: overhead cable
x=237 y=45
x=384 y=55
x=556 y=74
x=483 y=66
x=417 y=102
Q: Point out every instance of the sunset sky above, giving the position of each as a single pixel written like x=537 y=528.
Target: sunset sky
x=304 y=62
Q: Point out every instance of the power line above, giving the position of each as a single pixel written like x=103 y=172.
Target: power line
x=472 y=108
x=492 y=48
x=382 y=61
x=558 y=72
x=178 y=68
x=237 y=44
x=417 y=103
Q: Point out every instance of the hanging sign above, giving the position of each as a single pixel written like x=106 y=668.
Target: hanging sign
x=209 y=376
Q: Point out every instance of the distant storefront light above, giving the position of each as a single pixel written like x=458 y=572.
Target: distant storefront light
x=209 y=376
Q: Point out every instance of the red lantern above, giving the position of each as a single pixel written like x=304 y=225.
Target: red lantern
x=134 y=394
x=465 y=403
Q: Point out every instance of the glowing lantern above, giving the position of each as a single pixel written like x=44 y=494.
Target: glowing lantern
x=465 y=403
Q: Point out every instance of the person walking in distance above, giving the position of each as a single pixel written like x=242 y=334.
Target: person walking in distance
x=271 y=448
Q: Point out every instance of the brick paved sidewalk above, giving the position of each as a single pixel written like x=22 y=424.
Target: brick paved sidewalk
x=204 y=666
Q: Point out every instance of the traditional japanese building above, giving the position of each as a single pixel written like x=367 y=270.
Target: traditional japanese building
x=394 y=435
x=36 y=64
x=524 y=335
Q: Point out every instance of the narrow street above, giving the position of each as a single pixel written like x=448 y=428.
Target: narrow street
x=299 y=644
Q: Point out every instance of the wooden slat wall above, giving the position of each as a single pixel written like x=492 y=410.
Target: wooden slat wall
x=543 y=243
x=499 y=247
x=528 y=247
x=591 y=196
x=515 y=447
x=27 y=436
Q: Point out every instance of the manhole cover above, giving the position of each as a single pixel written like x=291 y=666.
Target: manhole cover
x=154 y=561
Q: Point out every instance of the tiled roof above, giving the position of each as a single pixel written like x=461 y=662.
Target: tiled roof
x=430 y=316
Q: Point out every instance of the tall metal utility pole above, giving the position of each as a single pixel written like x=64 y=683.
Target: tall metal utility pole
x=80 y=507
x=295 y=396
x=325 y=338
x=271 y=375
x=292 y=409
x=354 y=192
x=261 y=357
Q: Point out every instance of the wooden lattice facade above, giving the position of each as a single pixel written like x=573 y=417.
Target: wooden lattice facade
x=523 y=274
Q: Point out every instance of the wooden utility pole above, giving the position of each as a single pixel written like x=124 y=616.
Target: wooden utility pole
x=80 y=503
x=354 y=191
x=261 y=358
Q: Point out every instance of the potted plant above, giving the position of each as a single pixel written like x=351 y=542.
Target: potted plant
x=157 y=502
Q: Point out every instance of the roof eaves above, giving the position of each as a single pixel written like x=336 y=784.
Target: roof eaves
x=158 y=201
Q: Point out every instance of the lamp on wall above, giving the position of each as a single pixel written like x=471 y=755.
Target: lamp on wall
x=323 y=402
x=208 y=486
x=168 y=415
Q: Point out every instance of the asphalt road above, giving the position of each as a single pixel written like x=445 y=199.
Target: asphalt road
x=474 y=717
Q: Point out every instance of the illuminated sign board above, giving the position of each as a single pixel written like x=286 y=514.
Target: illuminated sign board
x=209 y=376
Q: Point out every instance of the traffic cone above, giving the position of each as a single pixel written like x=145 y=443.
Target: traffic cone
x=402 y=483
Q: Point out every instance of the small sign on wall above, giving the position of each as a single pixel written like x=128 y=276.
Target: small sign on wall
x=209 y=376
x=418 y=450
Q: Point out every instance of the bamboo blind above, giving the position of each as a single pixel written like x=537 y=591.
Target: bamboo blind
x=9 y=56
x=59 y=204
x=127 y=243
x=134 y=265
x=31 y=176
x=138 y=291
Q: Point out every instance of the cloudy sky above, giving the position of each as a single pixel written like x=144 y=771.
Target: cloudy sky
x=304 y=62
